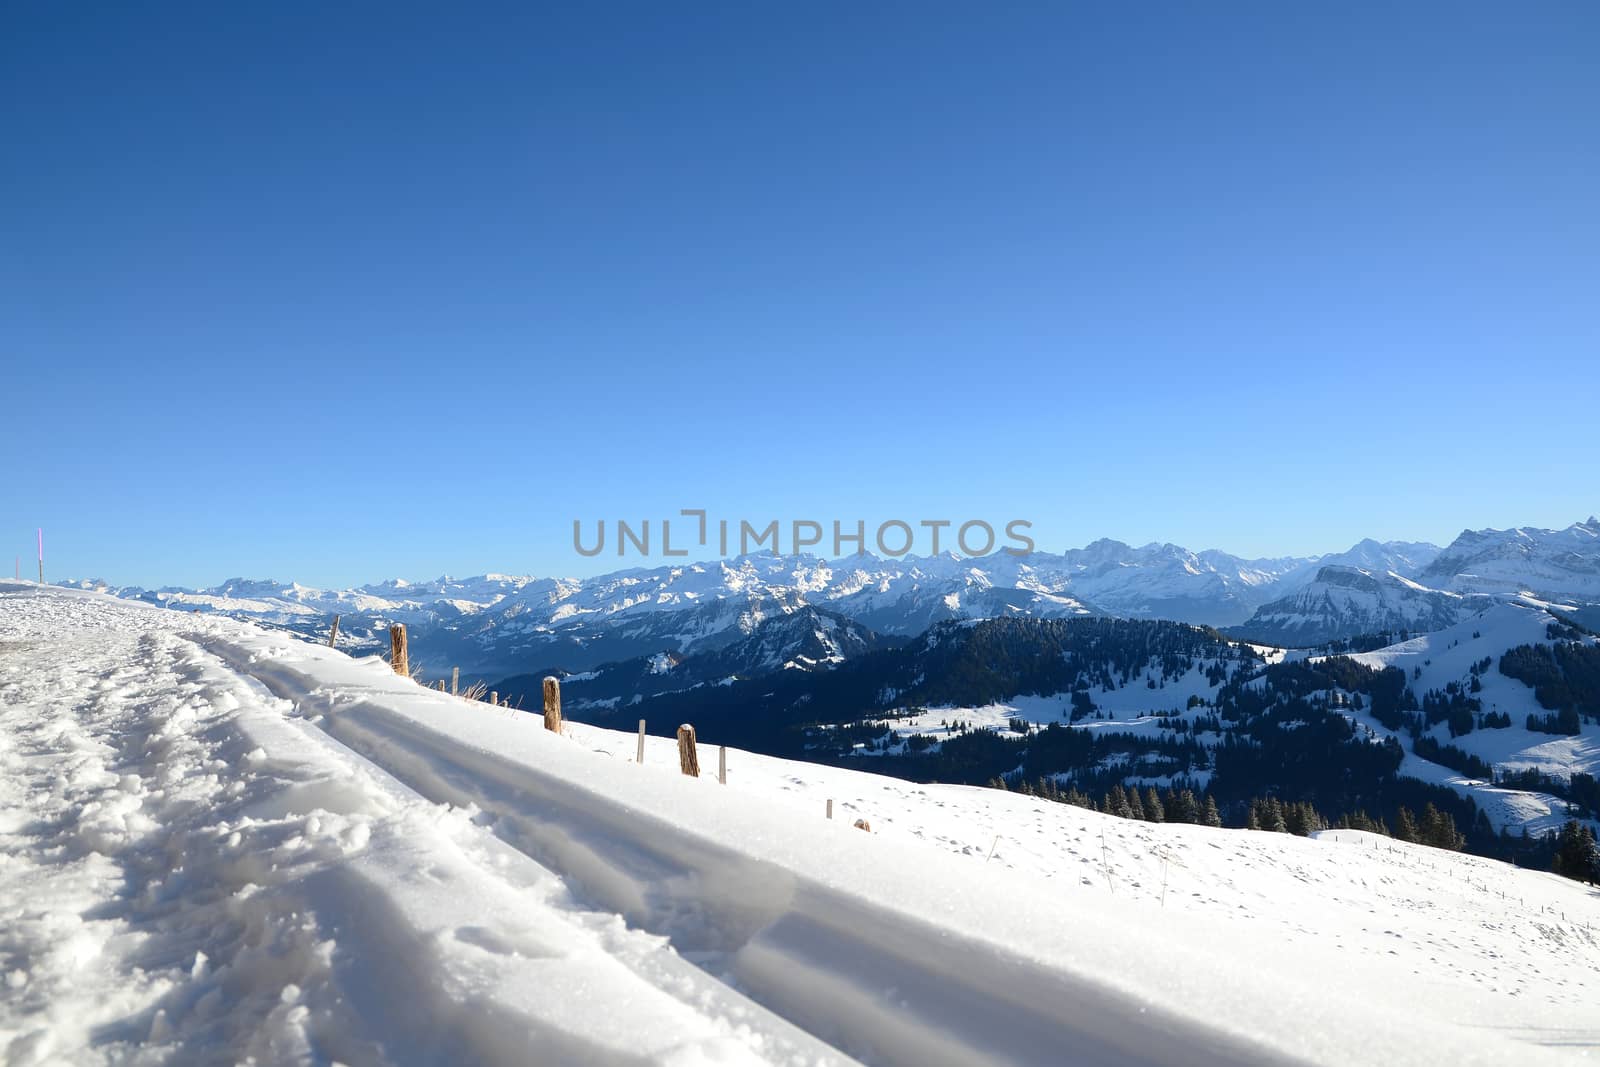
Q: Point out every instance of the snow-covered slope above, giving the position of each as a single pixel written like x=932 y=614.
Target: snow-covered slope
x=1348 y=602
x=1432 y=662
x=221 y=843
x=1558 y=564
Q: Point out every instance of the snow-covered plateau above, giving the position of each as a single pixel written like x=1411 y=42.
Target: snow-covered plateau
x=224 y=844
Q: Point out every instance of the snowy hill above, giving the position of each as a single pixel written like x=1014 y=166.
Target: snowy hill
x=223 y=843
x=1348 y=602
x=1439 y=662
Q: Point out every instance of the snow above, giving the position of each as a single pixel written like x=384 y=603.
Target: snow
x=1130 y=708
x=223 y=844
x=898 y=595
x=1447 y=656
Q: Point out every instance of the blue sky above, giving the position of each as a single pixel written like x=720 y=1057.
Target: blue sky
x=338 y=292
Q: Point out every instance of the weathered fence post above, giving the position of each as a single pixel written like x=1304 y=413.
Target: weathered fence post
x=494 y=698
x=640 y=758
x=722 y=764
x=440 y=685
x=830 y=807
x=455 y=681
x=397 y=649
x=688 y=751
x=333 y=635
x=552 y=703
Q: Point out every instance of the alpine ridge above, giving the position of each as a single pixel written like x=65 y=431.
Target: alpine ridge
x=498 y=625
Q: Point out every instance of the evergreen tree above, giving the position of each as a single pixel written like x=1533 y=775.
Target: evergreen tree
x=1272 y=816
x=1577 y=854
x=1153 y=809
x=1439 y=830
x=1360 y=820
x=1182 y=807
x=1211 y=817
x=1405 y=826
x=1304 y=820
x=1135 y=805
x=1252 y=820
x=1117 y=803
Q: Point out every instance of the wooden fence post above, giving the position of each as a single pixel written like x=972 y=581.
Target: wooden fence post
x=397 y=649
x=830 y=807
x=722 y=764
x=494 y=698
x=455 y=681
x=552 y=703
x=688 y=751
x=640 y=758
x=333 y=635
x=440 y=685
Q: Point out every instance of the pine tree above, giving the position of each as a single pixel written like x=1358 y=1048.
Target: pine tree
x=1303 y=820
x=1360 y=820
x=1252 y=820
x=1153 y=809
x=1212 y=816
x=1577 y=853
x=1272 y=816
x=1439 y=830
x=1135 y=805
x=1182 y=807
x=1405 y=826
x=1117 y=802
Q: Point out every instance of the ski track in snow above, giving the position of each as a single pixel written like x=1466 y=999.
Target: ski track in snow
x=222 y=845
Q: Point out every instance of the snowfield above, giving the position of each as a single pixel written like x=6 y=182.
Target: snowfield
x=222 y=844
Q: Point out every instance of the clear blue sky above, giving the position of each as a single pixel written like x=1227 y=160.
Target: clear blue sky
x=338 y=292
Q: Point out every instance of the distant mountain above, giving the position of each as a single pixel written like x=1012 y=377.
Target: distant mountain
x=1166 y=581
x=1405 y=558
x=1344 y=602
x=1556 y=564
x=494 y=626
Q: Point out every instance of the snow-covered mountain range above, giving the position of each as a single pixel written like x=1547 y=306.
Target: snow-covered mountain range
x=499 y=625
x=1552 y=563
